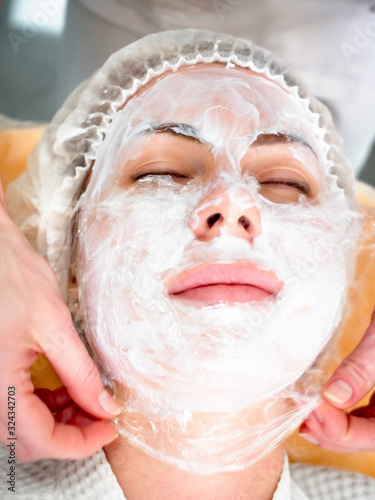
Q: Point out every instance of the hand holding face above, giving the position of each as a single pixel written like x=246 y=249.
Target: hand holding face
x=329 y=425
x=32 y=316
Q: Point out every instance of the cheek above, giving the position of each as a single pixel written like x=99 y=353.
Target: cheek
x=124 y=248
x=316 y=304
x=301 y=237
x=311 y=261
x=157 y=228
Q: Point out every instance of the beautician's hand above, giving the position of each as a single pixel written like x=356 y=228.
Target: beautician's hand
x=330 y=425
x=63 y=407
x=34 y=319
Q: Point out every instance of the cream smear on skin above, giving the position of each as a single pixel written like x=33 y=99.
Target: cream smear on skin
x=175 y=358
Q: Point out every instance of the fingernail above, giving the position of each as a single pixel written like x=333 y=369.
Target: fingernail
x=339 y=391
x=309 y=438
x=108 y=403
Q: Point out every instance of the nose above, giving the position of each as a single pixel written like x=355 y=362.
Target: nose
x=230 y=209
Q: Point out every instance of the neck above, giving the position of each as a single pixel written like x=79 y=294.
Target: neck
x=141 y=476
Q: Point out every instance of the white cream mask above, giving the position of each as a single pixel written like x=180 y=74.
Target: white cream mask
x=207 y=380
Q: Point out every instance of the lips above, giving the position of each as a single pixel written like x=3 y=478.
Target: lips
x=224 y=282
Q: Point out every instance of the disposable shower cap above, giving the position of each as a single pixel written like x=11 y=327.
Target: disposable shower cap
x=181 y=405
x=43 y=200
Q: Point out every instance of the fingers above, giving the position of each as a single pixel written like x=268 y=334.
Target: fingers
x=337 y=431
x=355 y=377
x=73 y=415
x=65 y=411
x=79 y=373
x=40 y=436
x=55 y=400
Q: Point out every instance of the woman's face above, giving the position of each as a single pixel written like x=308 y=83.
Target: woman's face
x=214 y=243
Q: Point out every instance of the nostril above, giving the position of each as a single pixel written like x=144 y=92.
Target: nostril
x=244 y=221
x=212 y=219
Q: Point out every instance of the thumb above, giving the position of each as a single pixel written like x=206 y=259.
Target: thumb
x=78 y=372
x=355 y=377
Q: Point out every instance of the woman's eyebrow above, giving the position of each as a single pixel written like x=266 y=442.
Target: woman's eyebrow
x=279 y=138
x=183 y=129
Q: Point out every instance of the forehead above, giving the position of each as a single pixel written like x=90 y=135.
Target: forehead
x=223 y=103
x=243 y=82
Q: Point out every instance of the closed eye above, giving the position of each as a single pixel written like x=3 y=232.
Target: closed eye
x=171 y=173
x=303 y=187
